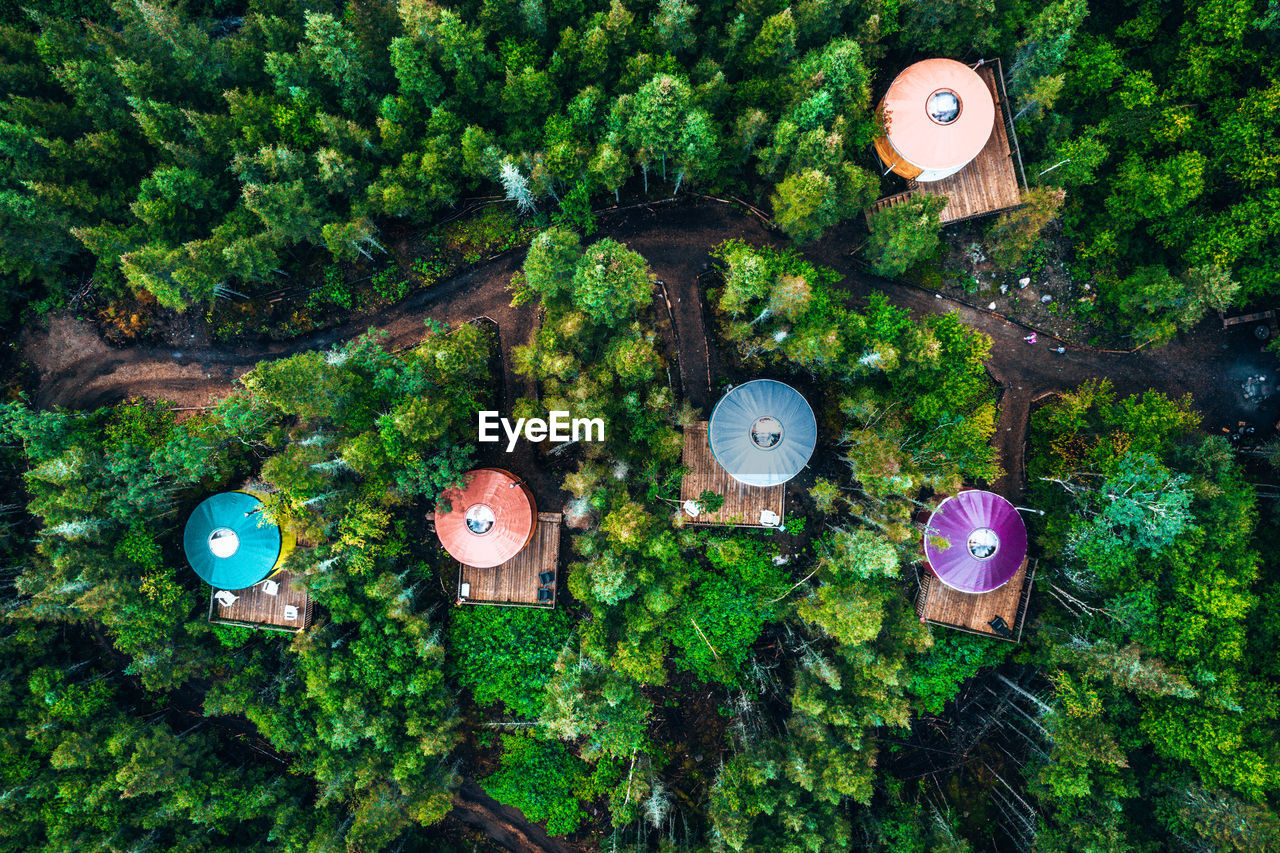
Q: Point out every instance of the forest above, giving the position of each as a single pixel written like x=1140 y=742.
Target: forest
x=252 y=171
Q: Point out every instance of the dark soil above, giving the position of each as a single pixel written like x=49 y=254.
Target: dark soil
x=689 y=727
x=966 y=273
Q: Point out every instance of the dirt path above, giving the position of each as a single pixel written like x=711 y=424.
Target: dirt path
x=508 y=827
x=76 y=369
x=1208 y=364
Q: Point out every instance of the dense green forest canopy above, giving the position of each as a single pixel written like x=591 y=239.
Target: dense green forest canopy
x=1160 y=658
x=200 y=150
x=367 y=706
x=695 y=689
x=1145 y=703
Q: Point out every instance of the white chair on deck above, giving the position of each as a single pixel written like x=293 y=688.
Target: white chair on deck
x=692 y=509
x=290 y=613
x=270 y=588
x=226 y=598
x=769 y=518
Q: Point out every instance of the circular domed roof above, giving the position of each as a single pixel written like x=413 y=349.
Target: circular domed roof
x=938 y=114
x=762 y=432
x=975 y=541
x=227 y=542
x=490 y=519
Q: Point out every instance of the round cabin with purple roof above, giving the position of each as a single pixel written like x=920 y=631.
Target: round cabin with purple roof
x=975 y=541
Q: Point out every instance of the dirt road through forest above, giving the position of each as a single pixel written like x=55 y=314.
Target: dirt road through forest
x=76 y=369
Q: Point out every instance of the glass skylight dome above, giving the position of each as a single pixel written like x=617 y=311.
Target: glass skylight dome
x=480 y=519
x=983 y=543
x=944 y=106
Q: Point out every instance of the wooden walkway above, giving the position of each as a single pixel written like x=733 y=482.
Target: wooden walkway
x=742 y=503
x=988 y=184
x=255 y=609
x=939 y=604
x=515 y=582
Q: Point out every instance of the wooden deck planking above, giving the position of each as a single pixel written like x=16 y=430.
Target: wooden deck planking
x=941 y=605
x=988 y=184
x=255 y=609
x=515 y=582
x=742 y=503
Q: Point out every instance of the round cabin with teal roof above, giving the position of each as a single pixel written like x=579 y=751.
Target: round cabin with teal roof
x=230 y=544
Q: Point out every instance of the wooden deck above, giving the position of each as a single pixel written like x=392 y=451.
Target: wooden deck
x=988 y=184
x=742 y=503
x=255 y=609
x=1269 y=316
x=941 y=605
x=515 y=583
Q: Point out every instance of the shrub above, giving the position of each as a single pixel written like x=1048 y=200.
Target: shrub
x=505 y=654
x=904 y=235
x=953 y=660
x=542 y=779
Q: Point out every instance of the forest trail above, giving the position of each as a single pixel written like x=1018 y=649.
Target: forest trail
x=76 y=369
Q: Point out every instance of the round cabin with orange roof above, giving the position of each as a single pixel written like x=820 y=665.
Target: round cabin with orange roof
x=490 y=519
x=937 y=115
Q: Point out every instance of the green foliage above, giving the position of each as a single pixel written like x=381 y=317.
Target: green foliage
x=953 y=659
x=334 y=292
x=575 y=210
x=1137 y=512
x=948 y=28
x=193 y=152
x=92 y=480
x=725 y=609
x=607 y=282
x=505 y=654
x=594 y=352
x=1154 y=526
x=778 y=307
x=710 y=501
x=1017 y=232
x=1164 y=114
x=1158 y=304
x=479 y=236
x=365 y=710
x=808 y=203
x=198 y=151
x=849 y=604
x=1041 y=52
x=904 y=235
x=394 y=422
x=584 y=699
x=911 y=826
x=543 y=780
x=358 y=703
x=96 y=772
x=611 y=283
